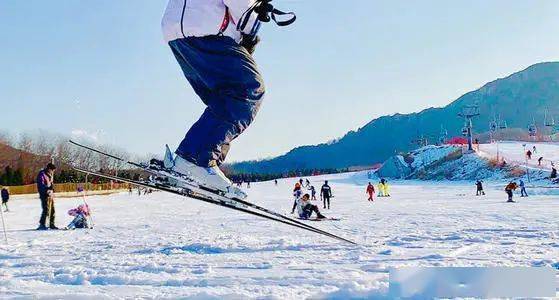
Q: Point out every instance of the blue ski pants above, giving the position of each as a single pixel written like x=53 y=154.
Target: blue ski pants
x=224 y=75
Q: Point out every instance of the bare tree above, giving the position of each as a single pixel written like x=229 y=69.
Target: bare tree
x=6 y=138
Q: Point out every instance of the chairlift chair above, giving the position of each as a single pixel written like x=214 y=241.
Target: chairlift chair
x=503 y=125
x=493 y=126
x=532 y=130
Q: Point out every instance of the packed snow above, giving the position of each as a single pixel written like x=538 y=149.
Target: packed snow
x=165 y=246
x=515 y=152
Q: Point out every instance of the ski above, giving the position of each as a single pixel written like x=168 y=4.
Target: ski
x=224 y=202
x=321 y=220
x=203 y=190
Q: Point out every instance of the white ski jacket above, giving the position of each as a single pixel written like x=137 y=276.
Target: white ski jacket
x=184 y=18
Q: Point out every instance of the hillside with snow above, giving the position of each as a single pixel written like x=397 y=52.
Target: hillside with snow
x=165 y=246
x=495 y=161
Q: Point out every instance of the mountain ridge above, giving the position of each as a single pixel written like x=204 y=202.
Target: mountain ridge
x=533 y=89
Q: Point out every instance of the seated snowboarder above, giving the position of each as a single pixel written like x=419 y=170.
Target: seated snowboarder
x=305 y=208
x=509 y=189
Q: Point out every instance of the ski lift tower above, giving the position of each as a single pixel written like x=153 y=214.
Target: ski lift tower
x=468 y=112
x=550 y=122
x=421 y=141
x=443 y=135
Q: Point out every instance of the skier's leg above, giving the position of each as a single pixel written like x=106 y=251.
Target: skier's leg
x=317 y=212
x=51 y=213
x=227 y=80
x=294 y=206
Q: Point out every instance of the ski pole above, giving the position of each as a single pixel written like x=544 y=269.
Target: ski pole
x=89 y=210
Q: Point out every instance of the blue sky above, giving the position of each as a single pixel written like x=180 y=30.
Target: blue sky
x=101 y=67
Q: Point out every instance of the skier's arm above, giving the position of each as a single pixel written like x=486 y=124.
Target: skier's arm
x=239 y=11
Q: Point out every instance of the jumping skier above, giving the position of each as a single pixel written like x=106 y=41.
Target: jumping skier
x=509 y=189
x=326 y=194
x=371 y=191
x=213 y=42
x=479 y=188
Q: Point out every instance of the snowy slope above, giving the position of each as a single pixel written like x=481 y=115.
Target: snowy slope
x=163 y=246
x=429 y=154
x=514 y=152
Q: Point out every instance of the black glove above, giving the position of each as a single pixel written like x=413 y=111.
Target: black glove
x=249 y=42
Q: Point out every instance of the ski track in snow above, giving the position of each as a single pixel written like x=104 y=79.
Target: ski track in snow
x=165 y=246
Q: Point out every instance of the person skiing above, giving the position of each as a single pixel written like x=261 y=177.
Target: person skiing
x=529 y=154
x=307 y=183
x=213 y=42
x=522 y=189
x=540 y=161
x=275 y=182
x=326 y=194
x=297 y=192
x=371 y=191
x=509 y=189
x=479 y=187
x=553 y=172
x=313 y=192
x=45 y=187
x=534 y=149
x=5 y=198
x=305 y=208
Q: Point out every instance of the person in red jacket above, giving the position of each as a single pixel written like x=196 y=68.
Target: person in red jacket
x=370 y=191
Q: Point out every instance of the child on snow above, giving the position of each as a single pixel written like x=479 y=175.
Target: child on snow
x=81 y=215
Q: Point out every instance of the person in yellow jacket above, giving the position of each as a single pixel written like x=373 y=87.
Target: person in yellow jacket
x=383 y=188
